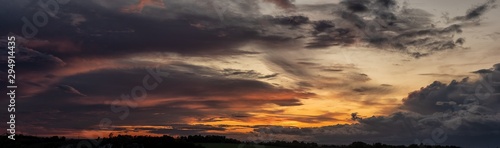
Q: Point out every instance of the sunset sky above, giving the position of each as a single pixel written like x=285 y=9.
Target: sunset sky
x=331 y=72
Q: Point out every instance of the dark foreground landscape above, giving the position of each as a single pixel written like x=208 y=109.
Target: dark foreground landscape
x=196 y=141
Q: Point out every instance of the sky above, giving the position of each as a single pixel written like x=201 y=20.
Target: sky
x=332 y=72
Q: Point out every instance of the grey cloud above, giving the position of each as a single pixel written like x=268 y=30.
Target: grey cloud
x=205 y=34
x=70 y=89
x=293 y=21
x=355 y=116
x=477 y=11
x=333 y=70
x=405 y=30
x=286 y=66
x=287 y=102
x=31 y=60
x=183 y=129
x=462 y=92
x=285 y=4
x=359 y=77
x=236 y=73
x=494 y=35
x=95 y=37
x=201 y=88
x=483 y=71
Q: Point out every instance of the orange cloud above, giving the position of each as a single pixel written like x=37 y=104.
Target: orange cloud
x=143 y=3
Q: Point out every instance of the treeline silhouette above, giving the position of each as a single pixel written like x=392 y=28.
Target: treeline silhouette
x=194 y=141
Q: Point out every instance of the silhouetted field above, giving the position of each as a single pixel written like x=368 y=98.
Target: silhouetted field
x=196 y=141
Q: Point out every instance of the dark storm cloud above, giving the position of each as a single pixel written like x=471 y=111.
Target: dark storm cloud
x=285 y=4
x=292 y=20
x=333 y=37
x=349 y=83
x=332 y=70
x=379 y=24
x=463 y=113
x=188 y=91
x=287 y=102
x=108 y=32
x=80 y=100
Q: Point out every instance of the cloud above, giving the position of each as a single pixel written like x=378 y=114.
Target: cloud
x=143 y=3
x=483 y=71
x=444 y=75
x=293 y=21
x=495 y=67
x=473 y=14
x=174 y=129
x=465 y=113
x=236 y=73
x=359 y=77
x=77 y=19
x=284 y=4
x=98 y=33
x=70 y=89
x=108 y=32
x=380 y=24
x=187 y=94
x=494 y=35
x=31 y=60
x=354 y=117
x=429 y=99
